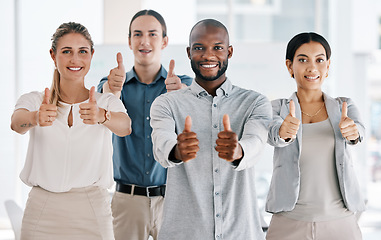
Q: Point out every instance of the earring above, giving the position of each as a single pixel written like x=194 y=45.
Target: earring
x=292 y=75
x=326 y=75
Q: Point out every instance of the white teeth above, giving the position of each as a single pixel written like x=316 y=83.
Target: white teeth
x=75 y=69
x=312 y=77
x=209 y=66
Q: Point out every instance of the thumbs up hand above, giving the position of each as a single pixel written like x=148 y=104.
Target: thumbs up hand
x=172 y=82
x=116 y=78
x=90 y=112
x=228 y=147
x=187 y=143
x=47 y=112
x=290 y=125
x=347 y=126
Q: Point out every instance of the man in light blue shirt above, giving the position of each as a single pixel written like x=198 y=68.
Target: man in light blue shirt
x=209 y=136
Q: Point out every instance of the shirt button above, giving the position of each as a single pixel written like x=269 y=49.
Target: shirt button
x=218 y=215
x=148 y=155
x=217 y=193
x=147 y=136
x=216 y=170
x=218 y=236
x=215 y=125
x=147 y=172
x=147 y=118
x=148 y=100
x=214 y=105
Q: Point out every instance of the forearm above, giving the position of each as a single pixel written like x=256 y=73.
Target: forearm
x=23 y=120
x=120 y=124
x=106 y=89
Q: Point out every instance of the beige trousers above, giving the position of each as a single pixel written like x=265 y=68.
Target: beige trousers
x=283 y=228
x=136 y=217
x=80 y=214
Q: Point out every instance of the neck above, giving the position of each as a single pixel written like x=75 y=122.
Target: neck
x=73 y=92
x=211 y=86
x=147 y=74
x=310 y=96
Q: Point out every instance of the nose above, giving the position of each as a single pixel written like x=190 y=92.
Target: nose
x=312 y=67
x=74 y=58
x=209 y=54
x=144 y=40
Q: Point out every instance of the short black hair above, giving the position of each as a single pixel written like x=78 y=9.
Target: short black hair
x=208 y=22
x=303 y=38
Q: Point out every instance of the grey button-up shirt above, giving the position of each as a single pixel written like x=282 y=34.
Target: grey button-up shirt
x=208 y=197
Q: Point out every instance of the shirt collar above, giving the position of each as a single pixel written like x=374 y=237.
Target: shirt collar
x=132 y=75
x=225 y=89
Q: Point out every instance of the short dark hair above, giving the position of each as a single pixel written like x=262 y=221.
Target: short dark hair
x=149 y=13
x=303 y=38
x=208 y=22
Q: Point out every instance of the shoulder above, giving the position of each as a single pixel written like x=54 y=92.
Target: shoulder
x=32 y=96
x=279 y=102
x=105 y=98
x=339 y=100
x=185 y=79
x=30 y=101
x=173 y=97
x=248 y=93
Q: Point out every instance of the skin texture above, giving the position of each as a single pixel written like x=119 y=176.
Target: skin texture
x=72 y=60
x=209 y=52
x=310 y=68
x=146 y=43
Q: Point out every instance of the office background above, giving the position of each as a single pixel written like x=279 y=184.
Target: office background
x=259 y=31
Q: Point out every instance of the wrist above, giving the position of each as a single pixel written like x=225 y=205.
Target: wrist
x=106 y=87
x=36 y=121
x=106 y=116
x=172 y=155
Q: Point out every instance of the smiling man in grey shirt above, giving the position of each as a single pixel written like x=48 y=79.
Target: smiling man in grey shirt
x=210 y=186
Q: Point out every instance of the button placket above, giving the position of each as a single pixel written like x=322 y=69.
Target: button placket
x=216 y=173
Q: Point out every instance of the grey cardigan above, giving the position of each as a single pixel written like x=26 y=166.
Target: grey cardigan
x=285 y=182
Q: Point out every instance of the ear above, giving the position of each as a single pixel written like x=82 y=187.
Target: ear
x=289 y=66
x=164 y=42
x=328 y=64
x=129 y=42
x=53 y=56
x=230 y=51
x=188 y=52
x=92 y=53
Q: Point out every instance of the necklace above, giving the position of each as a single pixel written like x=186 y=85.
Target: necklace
x=313 y=115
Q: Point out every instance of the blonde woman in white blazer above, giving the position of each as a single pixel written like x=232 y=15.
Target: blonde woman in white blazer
x=314 y=192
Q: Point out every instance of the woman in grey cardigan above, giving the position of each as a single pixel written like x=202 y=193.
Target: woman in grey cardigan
x=314 y=192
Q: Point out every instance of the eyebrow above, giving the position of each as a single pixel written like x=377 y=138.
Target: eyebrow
x=139 y=31
x=72 y=48
x=303 y=55
x=200 y=44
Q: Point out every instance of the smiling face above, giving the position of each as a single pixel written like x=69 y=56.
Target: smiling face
x=73 y=56
x=309 y=66
x=209 y=52
x=147 y=40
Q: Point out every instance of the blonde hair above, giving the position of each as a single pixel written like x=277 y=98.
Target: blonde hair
x=62 y=30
